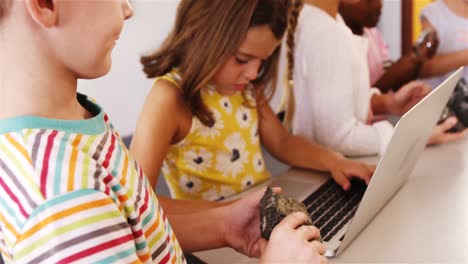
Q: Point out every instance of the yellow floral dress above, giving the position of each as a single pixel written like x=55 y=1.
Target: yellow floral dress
x=212 y=163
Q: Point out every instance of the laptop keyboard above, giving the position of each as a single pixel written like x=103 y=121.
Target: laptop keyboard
x=330 y=207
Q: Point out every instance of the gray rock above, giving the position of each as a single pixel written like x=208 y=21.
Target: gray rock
x=274 y=207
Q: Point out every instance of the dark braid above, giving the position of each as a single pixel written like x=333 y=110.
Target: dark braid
x=288 y=101
x=295 y=7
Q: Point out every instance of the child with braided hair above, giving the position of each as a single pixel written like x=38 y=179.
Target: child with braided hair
x=211 y=80
x=69 y=189
x=334 y=103
x=287 y=104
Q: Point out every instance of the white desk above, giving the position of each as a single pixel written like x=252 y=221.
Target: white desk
x=425 y=222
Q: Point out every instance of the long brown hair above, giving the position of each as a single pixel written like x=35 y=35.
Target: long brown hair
x=205 y=34
x=288 y=102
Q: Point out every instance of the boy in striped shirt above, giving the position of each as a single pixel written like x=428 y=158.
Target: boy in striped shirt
x=69 y=189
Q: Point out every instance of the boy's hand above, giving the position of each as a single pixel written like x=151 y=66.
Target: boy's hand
x=293 y=242
x=242 y=224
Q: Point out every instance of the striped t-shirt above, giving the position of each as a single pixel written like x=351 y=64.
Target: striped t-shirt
x=70 y=190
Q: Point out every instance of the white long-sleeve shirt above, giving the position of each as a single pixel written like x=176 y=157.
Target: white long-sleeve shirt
x=331 y=84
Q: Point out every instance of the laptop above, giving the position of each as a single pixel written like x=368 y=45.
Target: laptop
x=341 y=215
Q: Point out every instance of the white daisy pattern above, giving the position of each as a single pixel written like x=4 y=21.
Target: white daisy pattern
x=190 y=185
x=165 y=168
x=248 y=182
x=211 y=195
x=258 y=162
x=213 y=163
x=226 y=104
x=210 y=132
x=254 y=134
x=225 y=192
x=198 y=160
x=244 y=117
x=231 y=163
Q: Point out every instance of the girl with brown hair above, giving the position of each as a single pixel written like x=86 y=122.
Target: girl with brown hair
x=69 y=189
x=208 y=105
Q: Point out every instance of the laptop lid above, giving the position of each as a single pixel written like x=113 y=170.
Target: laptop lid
x=399 y=159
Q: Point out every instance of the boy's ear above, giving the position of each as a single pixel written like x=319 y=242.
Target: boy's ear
x=44 y=12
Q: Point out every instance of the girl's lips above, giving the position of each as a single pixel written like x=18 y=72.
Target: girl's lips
x=239 y=87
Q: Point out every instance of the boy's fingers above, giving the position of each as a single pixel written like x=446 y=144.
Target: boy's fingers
x=294 y=220
x=309 y=233
x=260 y=247
x=318 y=247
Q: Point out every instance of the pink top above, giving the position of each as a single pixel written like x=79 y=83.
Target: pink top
x=377 y=54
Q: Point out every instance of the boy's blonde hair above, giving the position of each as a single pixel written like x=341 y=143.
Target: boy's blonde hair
x=206 y=33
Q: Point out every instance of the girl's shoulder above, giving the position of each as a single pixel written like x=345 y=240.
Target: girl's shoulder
x=314 y=19
x=174 y=77
x=437 y=9
x=166 y=94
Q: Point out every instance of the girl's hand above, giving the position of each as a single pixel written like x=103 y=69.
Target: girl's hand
x=427 y=44
x=293 y=242
x=342 y=170
x=406 y=97
x=441 y=135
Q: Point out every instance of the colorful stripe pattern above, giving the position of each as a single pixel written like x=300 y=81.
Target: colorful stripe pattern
x=67 y=197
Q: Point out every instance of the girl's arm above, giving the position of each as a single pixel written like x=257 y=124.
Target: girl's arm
x=288 y=148
x=406 y=69
x=157 y=128
x=176 y=207
x=442 y=63
x=300 y=152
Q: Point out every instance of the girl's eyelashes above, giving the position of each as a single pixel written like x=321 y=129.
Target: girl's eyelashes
x=241 y=61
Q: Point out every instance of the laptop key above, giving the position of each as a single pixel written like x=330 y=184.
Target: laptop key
x=330 y=207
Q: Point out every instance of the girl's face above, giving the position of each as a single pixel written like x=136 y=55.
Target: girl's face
x=350 y=1
x=86 y=34
x=365 y=13
x=243 y=66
